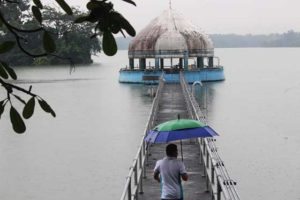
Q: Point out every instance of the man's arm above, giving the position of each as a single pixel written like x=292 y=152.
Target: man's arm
x=156 y=176
x=183 y=172
x=184 y=176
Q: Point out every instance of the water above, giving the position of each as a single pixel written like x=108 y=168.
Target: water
x=85 y=152
x=256 y=110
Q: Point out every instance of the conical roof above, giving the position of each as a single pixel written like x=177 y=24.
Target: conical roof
x=170 y=35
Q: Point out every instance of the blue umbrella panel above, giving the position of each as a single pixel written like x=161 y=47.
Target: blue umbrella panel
x=155 y=136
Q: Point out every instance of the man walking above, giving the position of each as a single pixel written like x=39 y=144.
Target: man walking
x=169 y=171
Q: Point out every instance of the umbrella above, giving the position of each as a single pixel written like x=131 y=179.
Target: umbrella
x=179 y=129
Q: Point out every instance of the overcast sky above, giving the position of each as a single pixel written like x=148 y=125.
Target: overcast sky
x=218 y=16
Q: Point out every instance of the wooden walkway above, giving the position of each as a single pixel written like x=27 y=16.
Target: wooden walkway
x=172 y=103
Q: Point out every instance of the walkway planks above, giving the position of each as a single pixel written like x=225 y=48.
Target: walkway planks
x=172 y=103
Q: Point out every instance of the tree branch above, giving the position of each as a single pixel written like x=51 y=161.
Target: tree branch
x=10 y=1
x=8 y=85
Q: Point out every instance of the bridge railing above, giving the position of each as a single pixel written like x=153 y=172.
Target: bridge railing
x=218 y=181
x=134 y=180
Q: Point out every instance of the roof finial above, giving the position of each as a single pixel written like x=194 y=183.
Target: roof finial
x=170 y=4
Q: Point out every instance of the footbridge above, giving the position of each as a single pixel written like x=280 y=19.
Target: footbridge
x=208 y=177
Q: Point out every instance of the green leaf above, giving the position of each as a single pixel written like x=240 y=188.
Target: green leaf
x=9 y=70
x=17 y=121
x=65 y=6
x=45 y=106
x=94 y=5
x=103 y=25
x=19 y=98
x=129 y=1
x=49 y=44
x=2 y=105
x=109 y=44
x=127 y=26
x=94 y=36
x=37 y=14
x=120 y=21
x=115 y=28
x=88 y=18
x=81 y=19
x=9 y=89
x=6 y=46
x=38 y=4
x=3 y=73
x=29 y=108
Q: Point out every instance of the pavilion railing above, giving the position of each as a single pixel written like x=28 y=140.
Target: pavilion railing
x=218 y=181
x=175 y=53
x=134 y=180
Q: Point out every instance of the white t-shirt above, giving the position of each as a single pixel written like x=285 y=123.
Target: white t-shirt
x=170 y=170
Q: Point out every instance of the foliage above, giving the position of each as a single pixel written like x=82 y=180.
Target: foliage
x=30 y=30
x=73 y=41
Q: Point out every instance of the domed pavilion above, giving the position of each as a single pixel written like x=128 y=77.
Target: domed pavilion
x=170 y=44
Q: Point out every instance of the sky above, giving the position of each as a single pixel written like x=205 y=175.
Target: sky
x=217 y=16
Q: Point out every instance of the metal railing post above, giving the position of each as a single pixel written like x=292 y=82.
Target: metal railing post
x=212 y=174
x=135 y=174
x=141 y=184
x=207 y=181
x=129 y=189
x=219 y=190
x=207 y=160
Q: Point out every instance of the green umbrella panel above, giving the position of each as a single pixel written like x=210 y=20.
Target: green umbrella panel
x=179 y=124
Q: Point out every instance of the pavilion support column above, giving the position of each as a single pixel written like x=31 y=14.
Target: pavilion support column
x=142 y=62
x=180 y=63
x=186 y=60
x=200 y=62
x=131 y=63
x=161 y=63
x=210 y=62
x=156 y=63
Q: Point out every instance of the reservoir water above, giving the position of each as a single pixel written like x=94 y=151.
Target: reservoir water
x=85 y=152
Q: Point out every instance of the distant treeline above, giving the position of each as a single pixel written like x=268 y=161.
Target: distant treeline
x=288 y=39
